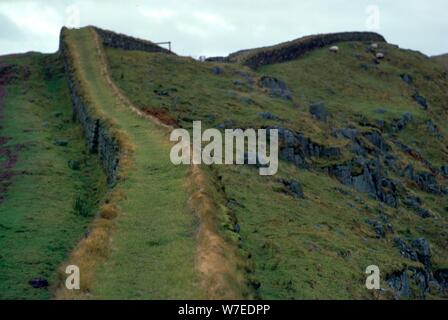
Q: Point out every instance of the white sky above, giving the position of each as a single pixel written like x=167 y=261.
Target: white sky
x=218 y=27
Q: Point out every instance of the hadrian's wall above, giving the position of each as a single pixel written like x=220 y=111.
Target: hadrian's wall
x=294 y=49
x=98 y=136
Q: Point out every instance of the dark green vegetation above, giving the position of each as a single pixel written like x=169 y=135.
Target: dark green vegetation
x=443 y=59
x=318 y=246
x=51 y=185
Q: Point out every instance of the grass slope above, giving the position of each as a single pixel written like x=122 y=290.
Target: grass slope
x=153 y=244
x=38 y=223
x=317 y=247
x=443 y=59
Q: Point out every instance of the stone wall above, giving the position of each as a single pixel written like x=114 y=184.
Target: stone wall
x=292 y=50
x=98 y=135
x=121 y=41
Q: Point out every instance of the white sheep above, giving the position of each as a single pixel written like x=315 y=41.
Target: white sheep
x=374 y=45
x=380 y=55
x=334 y=49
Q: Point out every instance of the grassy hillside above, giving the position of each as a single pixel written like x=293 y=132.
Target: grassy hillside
x=41 y=178
x=363 y=175
x=319 y=246
x=443 y=59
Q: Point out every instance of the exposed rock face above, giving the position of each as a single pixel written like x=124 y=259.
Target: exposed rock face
x=415 y=282
x=444 y=170
x=293 y=187
x=319 y=111
x=420 y=100
x=121 y=41
x=276 y=87
x=267 y=116
x=415 y=204
x=292 y=50
x=367 y=176
x=400 y=124
x=407 y=78
x=377 y=140
x=99 y=139
x=403 y=282
x=295 y=147
x=433 y=128
x=425 y=180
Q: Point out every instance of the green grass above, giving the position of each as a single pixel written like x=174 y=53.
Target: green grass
x=153 y=243
x=320 y=246
x=38 y=223
x=351 y=92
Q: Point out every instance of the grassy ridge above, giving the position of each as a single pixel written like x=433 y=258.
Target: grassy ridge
x=38 y=221
x=153 y=243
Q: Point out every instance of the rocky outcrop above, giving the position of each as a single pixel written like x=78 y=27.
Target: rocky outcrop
x=417 y=282
x=420 y=100
x=319 y=111
x=292 y=50
x=98 y=135
x=276 y=87
x=121 y=41
x=296 y=147
x=426 y=181
x=367 y=176
x=293 y=187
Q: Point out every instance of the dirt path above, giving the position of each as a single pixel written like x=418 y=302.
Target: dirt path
x=217 y=260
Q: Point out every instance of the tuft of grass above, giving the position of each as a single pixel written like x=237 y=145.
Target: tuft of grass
x=108 y=211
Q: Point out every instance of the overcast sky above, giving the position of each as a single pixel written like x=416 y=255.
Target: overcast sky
x=218 y=27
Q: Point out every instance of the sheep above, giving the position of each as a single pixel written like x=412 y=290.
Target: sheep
x=380 y=55
x=374 y=46
x=334 y=49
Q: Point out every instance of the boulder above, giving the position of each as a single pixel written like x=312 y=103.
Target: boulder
x=406 y=78
x=377 y=140
x=294 y=188
x=441 y=277
x=267 y=116
x=39 y=283
x=423 y=251
x=400 y=124
x=276 y=87
x=347 y=133
x=319 y=111
x=410 y=283
x=444 y=170
x=405 y=250
x=217 y=71
x=420 y=100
